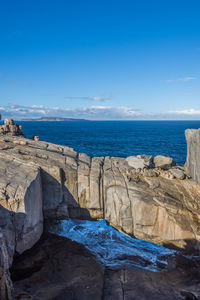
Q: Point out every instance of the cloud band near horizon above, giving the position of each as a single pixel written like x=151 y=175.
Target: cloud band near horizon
x=99 y=112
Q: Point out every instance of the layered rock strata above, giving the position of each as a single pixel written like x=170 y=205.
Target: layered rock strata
x=21 y=216
x=149 y=198
x=6 y=286
x=149 y=203
x=193 y=153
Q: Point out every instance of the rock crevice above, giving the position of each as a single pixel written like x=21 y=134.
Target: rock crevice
x=148 y=198
x=148 y=203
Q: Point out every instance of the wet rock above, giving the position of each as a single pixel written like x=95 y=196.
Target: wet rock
x=111 y=247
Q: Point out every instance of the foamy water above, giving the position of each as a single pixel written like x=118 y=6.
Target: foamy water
x=111 y=247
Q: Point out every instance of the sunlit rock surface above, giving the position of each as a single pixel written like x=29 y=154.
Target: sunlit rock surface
x=10 y=128
x=159 y=204
x=21 y=217
x=150 y=203
x=193 y=153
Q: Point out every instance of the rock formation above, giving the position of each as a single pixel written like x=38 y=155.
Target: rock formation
x=193 y=153
x=6 y=286
x=21 y=218
x=155 y=204
x=10 y=128
x=163 y=162
x=148 y=198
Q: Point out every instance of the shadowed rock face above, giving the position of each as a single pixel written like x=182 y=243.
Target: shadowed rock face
x=193 y=153
x=6 y=286
x=57 y=268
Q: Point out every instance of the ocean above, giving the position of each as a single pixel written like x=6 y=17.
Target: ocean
x=116 y=138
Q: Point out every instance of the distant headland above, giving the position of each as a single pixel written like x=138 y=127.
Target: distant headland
x=52 y=119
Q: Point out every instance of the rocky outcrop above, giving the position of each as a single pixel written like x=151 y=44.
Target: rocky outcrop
x=148 y=198
x=149 y=203
x=163 y=162
x=21 y=217
x=193 y=153
x=9 y=127
x=139 y=162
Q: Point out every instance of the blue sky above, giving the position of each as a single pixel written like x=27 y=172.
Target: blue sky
x=114 y=59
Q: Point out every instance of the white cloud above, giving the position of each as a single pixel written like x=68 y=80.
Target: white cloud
x=95 y=112
x=186 y=112
x=183 y=79
x=87 y=112
x=94 y=98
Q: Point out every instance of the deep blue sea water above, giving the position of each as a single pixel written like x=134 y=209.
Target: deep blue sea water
x=116 y=138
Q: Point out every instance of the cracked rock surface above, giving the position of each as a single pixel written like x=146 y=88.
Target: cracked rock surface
x=40 y=180
x=43 y=273
x=151 y=204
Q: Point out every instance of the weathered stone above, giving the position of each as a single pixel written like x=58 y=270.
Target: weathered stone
x=21 y=217
x=39 y=178
x=69 y=152
x=109 y=188
x=37 y=145
x=55 y=148
x=192 y=165
x=139 y=161
x=83 y=183
x=36 y=138
x=146 y=158
x=8 y=122
x=162 y=162
x=10 y=128
x=95 y=185
x=177 y=173
x=150 y=173
x=84 y=158
x=6 y=286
